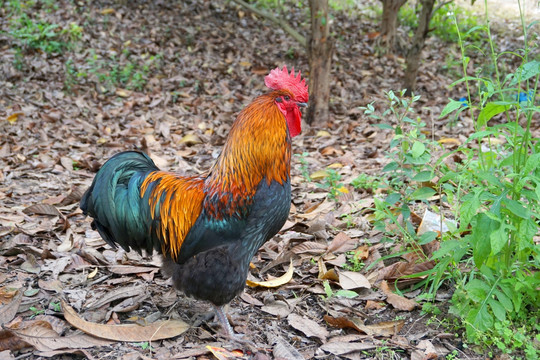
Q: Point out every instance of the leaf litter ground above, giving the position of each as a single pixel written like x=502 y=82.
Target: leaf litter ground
x=204 y=62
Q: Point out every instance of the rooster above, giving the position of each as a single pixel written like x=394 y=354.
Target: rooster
x=207 y=227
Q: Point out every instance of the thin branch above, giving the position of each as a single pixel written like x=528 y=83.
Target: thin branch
x=282 y=23
x=441 y=5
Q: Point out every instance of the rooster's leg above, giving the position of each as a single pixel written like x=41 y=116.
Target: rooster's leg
x=229 y=332
x=224 y=322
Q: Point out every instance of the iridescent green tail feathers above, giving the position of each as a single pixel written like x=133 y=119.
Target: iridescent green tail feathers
x=113 y=200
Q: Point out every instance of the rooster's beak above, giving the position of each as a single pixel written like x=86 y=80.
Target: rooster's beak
x=301 y=104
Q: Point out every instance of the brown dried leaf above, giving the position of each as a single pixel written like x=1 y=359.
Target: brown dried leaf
x=116 y=294
x=129 y=269
x=330 y=275
x=309 y=247
x=343 y=348
x=341 y=243
x=385 y=328
x=131 y=332
x=10 y=299
x=224 y=354
x=284 y=350
x=43 y=338
x=50 y=285
x=11 y=342
x=309 y=327
x=362 y=252
x=373 y=305
x=42 y=209
x=55 y=353
x=399 y=302
x=349 y=280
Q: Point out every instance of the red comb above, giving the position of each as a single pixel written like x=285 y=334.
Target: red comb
x=282 y=80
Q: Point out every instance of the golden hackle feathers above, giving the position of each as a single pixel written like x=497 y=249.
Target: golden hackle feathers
x=180 y=203
x=258 y=147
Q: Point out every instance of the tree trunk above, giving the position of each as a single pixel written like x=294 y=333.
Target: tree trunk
x=415 y=52
x=389 y=22
x=320 y=47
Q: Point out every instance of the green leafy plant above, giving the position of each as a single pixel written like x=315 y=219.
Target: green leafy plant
x=443 y=21
x=125 y=71
x=331 y=182
x=56 y=306
x=497 y=192
x=35 y=311
x=38 y=34
x=406 y=173
x=366 y=182
x=304 y=165
x=353 y=263
x=145 y=345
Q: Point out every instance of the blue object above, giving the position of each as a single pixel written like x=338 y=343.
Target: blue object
x=463 y=101
x=523 y=96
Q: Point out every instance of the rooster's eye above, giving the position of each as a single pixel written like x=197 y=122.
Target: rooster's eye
x=279 y=100
x=287 y=98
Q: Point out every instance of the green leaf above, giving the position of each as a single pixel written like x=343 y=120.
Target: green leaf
x=392 y=198
x=504 y=300
x=453 y=105
x=346 y=293
x=499 y=239
x=469 y=208
x=384 y=126
x=423 y=176
x=427 y=237
x=390 y=166
x=477 y=290
x=446 y=248
x=533 y=162
x=480 y=134
x=480 y=237
x=418 y=149
x=528 y=70
x=481 y=318
x=527 y=228
x=490 y=110
x=498 y=309
x=516 y=208
x=423 y=193
x=327 y=288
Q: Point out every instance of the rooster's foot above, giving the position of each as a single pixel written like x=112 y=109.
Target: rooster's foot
x=228 y=332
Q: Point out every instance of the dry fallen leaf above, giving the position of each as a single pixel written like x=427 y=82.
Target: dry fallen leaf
x=42 y=209
x=282 y=280
x=13 y=117
x=399 y=302
x=190 y=139
x=349 y=280
x=385 y=328
x=309 y=247
x=342 y=243
x=283 y=350
x=309 y=327
x=223 y=354
x=107 y=11
x=343 y=348
x=10 y=299
x=129 y=332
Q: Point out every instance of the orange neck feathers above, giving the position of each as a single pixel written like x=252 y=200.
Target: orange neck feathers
x=258 y=147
